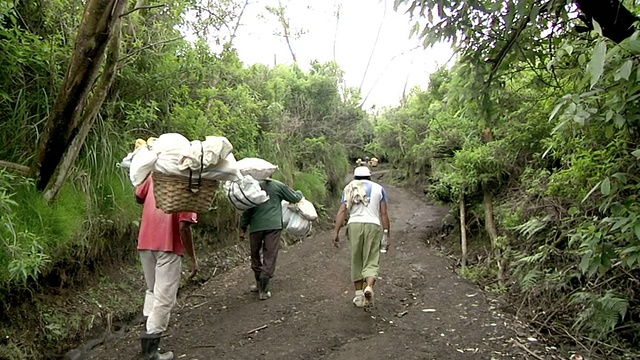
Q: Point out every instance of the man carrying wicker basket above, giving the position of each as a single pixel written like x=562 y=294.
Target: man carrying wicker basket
x=162 y=241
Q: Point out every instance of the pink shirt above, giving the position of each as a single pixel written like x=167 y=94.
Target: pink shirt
x=158 y=230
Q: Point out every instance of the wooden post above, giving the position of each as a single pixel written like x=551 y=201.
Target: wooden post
x=463 y=230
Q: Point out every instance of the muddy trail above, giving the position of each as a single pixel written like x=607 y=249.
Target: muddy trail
x=424 y=310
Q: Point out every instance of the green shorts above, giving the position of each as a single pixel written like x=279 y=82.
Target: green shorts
x=365 y=241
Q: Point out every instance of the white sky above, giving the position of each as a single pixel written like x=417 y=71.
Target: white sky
x=393 y=66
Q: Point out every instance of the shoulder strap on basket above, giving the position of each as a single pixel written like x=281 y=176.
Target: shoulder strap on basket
x=194 y=188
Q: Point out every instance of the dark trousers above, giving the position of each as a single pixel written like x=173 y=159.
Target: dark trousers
x=269 y=242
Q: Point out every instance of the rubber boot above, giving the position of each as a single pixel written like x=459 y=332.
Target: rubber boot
x=264 y=286
x=255 y=288
x=150 y=344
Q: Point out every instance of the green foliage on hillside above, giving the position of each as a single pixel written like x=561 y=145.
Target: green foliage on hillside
x=542 y=123
x=303 y=121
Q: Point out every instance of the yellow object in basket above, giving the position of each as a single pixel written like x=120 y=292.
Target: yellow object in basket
x=139 y=142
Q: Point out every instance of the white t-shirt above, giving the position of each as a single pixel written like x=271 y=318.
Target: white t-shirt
x=359 y=213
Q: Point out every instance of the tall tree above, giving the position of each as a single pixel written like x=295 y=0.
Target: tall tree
x=63 y=124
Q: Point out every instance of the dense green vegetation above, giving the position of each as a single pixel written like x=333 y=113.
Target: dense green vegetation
x=535 y=130
x=296 y=119
x=532 y=137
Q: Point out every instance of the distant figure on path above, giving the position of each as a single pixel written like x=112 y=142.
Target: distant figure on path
x=365 y=202
x=162 y=241
x=265 y=226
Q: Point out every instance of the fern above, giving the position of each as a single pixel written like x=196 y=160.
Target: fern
x=600 y=314
x=530 y=279
x=532 y=227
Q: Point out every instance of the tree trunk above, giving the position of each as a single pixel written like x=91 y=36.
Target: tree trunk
x=463 y=230
x=63 y=123
x=490 y=227
x=614 y=18
x=489 y=222
x=90 y=115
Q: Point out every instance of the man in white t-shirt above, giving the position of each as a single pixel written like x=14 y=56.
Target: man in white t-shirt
x=365 y=202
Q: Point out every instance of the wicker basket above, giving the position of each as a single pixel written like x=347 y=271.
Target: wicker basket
x=175 y=193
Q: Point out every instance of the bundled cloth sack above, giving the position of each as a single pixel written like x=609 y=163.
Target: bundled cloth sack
x=126 y=162
x=245 y=193
x=202 y=154
x=224 y=170
x=257 y=168
x=174 y=154
x=293 y=222
x=306 y=209
x=141 y=164
x=355 y=193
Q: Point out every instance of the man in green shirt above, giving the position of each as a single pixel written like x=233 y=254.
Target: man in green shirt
x=265 y=225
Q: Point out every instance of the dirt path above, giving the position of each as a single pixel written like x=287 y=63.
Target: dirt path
x=423 y=309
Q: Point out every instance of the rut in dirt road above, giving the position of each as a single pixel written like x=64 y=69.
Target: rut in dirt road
x=423 y=309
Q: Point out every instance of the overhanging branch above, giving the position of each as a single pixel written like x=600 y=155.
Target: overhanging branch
x=142 y=8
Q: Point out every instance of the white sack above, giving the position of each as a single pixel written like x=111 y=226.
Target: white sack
x=306 y=209
x=126 y=162
x=245 y=193
x=259 y=169
x=142 y=163
x=169 y=142
x=286 y=213
x=205 y=153
x=298 y=226
x=224 y=170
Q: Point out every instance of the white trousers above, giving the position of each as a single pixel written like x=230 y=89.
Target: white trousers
x=162 y=274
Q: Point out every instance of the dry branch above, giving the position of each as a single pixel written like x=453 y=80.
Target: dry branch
x=257 y=329
x=13 y=166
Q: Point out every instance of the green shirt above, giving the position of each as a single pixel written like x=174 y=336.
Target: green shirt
x=268 y=215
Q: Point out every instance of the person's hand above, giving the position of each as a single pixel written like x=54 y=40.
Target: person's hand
x=193 y=267
x=243 y=235
x=336 y=239
x=387 y=243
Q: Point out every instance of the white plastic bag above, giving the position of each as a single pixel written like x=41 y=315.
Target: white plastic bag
x=298 y=226
x=245 y=193
x=259 y=169
x=293 y=222
x=286 y=213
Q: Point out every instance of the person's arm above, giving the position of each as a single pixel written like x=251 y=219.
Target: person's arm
x=187 y=241
x=288 y=194
x=340 y=219
x=245 y=220
x=142 y=190
x=384 y=215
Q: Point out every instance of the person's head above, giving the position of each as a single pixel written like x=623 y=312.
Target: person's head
x=362 y=173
